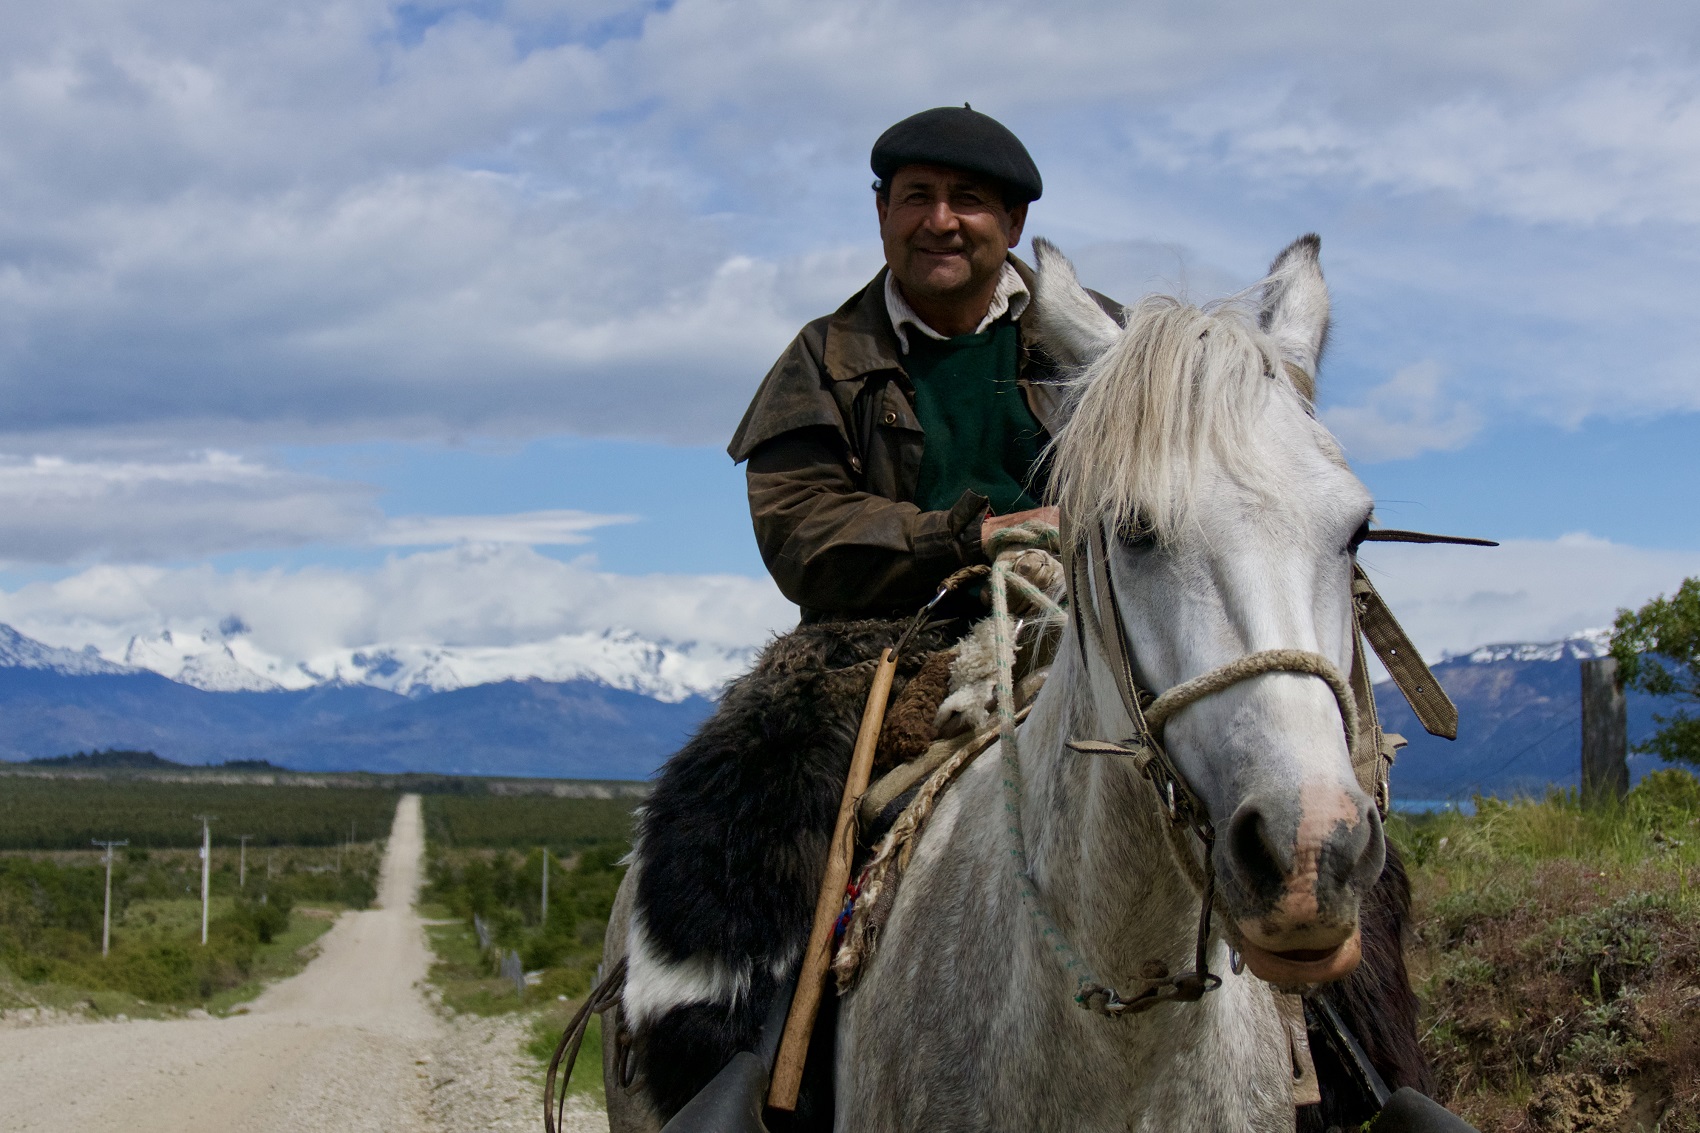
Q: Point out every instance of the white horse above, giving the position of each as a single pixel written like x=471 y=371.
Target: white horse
x=1228 y=515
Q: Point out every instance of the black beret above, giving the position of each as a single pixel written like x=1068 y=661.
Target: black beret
x=961 y=138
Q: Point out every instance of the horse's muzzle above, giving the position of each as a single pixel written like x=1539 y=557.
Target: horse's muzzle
x=1292 y=878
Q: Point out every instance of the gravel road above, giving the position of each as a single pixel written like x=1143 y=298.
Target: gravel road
x=350 y=1044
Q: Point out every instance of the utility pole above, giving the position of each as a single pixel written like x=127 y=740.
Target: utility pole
x=544 y=919
x=242 y=863
x=106 y=918
x=206 y=870
x=1605 y=767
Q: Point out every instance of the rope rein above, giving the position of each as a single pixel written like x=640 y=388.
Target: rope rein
x=1009 y=545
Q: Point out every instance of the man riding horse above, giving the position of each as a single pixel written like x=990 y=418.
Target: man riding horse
x=893 y=437
x=887 y=446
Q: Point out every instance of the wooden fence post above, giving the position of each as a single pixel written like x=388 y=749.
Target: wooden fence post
x=1605 y=764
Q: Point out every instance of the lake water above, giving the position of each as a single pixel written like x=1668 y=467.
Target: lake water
x=1431 y=806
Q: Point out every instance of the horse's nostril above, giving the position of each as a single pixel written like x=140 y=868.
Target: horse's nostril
x=1253 y=846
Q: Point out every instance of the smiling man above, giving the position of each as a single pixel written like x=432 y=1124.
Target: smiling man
x=893 y=436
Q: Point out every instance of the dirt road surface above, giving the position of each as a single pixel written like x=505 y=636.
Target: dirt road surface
x=348 y=1045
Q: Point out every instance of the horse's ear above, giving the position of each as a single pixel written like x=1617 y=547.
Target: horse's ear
x=1295 y=310
x=1072 y=328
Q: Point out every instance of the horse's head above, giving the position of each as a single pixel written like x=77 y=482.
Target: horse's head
x=1229 y=515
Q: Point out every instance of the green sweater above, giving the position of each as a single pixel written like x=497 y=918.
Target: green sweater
x=979 y=431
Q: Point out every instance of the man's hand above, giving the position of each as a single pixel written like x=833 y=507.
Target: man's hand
x=995 y=523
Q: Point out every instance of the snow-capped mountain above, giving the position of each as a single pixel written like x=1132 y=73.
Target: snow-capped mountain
x=225 y=660
x=205 y=662
x=1584 y=646
x=1519 y=721
x=664 y=671
x=20 y=652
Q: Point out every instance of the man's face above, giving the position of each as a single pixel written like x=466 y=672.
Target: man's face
x=946 y=232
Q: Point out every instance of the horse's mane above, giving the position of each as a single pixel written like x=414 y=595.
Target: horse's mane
x=1179 y=384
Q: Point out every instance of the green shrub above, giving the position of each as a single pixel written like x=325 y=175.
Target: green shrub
x=1668 y=797
x=264 y=919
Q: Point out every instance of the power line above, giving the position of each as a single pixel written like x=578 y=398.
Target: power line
x=1526 y=748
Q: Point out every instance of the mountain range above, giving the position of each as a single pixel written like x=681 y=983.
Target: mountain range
x=226 y=660
x=613 y=706
x=1519 y=722
x=55 y=700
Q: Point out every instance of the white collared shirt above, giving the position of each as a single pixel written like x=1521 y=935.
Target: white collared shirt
x=1011 y=296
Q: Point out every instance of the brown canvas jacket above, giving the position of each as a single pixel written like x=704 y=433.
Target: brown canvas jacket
x=834 y=451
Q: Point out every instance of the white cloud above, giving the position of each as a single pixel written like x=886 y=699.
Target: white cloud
x=559 y=527
x=54 y=510
x=1412 y=412
x=473 y=596
x=1619 y=148
x=349 y=218
x=1452 y=599
x=57 y=511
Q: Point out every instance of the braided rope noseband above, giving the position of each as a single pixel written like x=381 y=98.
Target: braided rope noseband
x=1255 y=665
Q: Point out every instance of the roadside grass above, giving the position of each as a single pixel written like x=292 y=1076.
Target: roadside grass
x=546 y=1031
x=462 y=973
x=289 y=950
x=1557 y=949
x=559 y=948
x=51 y=913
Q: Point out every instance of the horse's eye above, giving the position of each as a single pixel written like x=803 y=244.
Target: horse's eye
x=1136 y=534
x=1358 y=538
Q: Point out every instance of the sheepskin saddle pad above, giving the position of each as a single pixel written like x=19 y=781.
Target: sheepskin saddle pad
x=732 y=842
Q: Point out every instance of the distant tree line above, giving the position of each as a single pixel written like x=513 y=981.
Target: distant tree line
x=121 y=759
x=65 y=814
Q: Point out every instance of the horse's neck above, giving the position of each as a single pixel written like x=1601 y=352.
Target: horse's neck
x=1096 y=840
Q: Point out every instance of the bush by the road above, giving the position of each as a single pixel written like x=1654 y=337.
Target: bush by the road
x=1658 y=651
x=504 y=890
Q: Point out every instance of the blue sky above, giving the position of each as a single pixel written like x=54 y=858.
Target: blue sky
x=369 y=322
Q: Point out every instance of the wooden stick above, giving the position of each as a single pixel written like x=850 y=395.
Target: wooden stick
x=817 y=958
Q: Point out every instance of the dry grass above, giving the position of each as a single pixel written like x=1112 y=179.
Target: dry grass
x=1558 y=953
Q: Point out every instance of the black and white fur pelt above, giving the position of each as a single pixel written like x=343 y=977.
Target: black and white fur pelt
x=729 y=851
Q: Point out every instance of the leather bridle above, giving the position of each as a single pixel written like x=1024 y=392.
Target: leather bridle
x=1098 y=617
